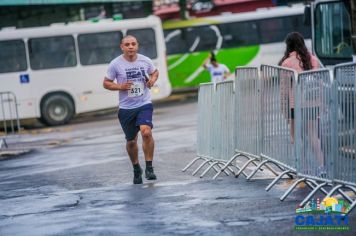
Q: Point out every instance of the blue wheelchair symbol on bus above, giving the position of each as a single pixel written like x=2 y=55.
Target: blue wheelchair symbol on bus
x=24 y=79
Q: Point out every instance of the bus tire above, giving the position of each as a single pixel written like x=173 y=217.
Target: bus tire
x=57 y=109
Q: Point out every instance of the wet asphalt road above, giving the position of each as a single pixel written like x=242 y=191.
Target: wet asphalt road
x=80 y=183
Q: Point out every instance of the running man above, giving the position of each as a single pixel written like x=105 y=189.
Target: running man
x=134 y=74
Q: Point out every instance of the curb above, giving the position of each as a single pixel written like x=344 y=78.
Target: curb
x=10 y=153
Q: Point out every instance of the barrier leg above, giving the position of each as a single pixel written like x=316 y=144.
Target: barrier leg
x=244 y=167
x=352 y=206
x=191 y=163
x=199 y=167
x=345 y=195
x=3 y=143
x=291 y=188
x=311 y=194
x=220 y=165
x=226 y=165
x=228 y=168
x=272 y=170
x=337 y=188
x=353 y=203
x=281 y=168
x=256 y=169
x=277 y=179
x=231 y=170
x=308 y=181
x=209 y=168
x=249 y=158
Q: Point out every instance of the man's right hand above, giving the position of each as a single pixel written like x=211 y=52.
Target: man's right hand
x=126 y=86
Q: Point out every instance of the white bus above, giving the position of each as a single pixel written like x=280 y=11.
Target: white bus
x=57 y=71
x=240 y=39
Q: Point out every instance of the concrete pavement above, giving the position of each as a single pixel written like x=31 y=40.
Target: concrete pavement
x=83 y=186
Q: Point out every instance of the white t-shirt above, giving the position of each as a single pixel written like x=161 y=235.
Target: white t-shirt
x=217 y=73
x=122 y=71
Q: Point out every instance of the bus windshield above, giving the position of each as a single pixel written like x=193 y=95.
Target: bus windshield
x=332 y=33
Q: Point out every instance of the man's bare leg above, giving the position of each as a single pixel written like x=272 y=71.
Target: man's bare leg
x=132 y=150
x=147 y=142
x=148 y=150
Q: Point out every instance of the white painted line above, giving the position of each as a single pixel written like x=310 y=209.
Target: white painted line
x=180 y=60
x=194 y=75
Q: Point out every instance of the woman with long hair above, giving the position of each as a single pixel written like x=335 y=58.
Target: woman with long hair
x=298 y=57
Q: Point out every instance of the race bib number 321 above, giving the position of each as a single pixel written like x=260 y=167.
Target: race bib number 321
x=137 y=89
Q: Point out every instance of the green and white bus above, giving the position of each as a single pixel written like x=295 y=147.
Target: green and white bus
x=240 y=39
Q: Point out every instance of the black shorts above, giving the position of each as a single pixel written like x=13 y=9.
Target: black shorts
x=291 y=114
x=131 y=119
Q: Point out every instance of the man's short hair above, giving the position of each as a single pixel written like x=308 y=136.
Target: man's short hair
x=128 y=36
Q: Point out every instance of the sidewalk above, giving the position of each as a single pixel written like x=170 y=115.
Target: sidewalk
x=16 y=145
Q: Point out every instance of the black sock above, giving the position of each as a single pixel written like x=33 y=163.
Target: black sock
x=148 y=164
x=136 y=166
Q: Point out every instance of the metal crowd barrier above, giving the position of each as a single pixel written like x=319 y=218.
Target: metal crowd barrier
x=275 y=122
x=9 y=115
x=215 y=127
x=247 y=125
x=344 y=153
x=345 y=91
x=247 y=116
x=247 y=111
x=313 y=131
x=304 y=127
x=316 y=135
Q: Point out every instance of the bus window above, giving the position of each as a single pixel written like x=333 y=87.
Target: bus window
x=202 y=38
x=52 y=52
x=147 y=41
x=176 y=41
x=239 y=34
x=99 y=48
x=332 y=31
x=275 y=29
x=12 y=56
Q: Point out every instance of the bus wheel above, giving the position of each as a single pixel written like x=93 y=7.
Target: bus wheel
x=57 y=109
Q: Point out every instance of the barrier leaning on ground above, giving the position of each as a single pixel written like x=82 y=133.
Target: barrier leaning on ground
x=324 y=120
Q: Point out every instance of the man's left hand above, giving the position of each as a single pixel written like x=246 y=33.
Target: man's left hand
x=150 y=83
